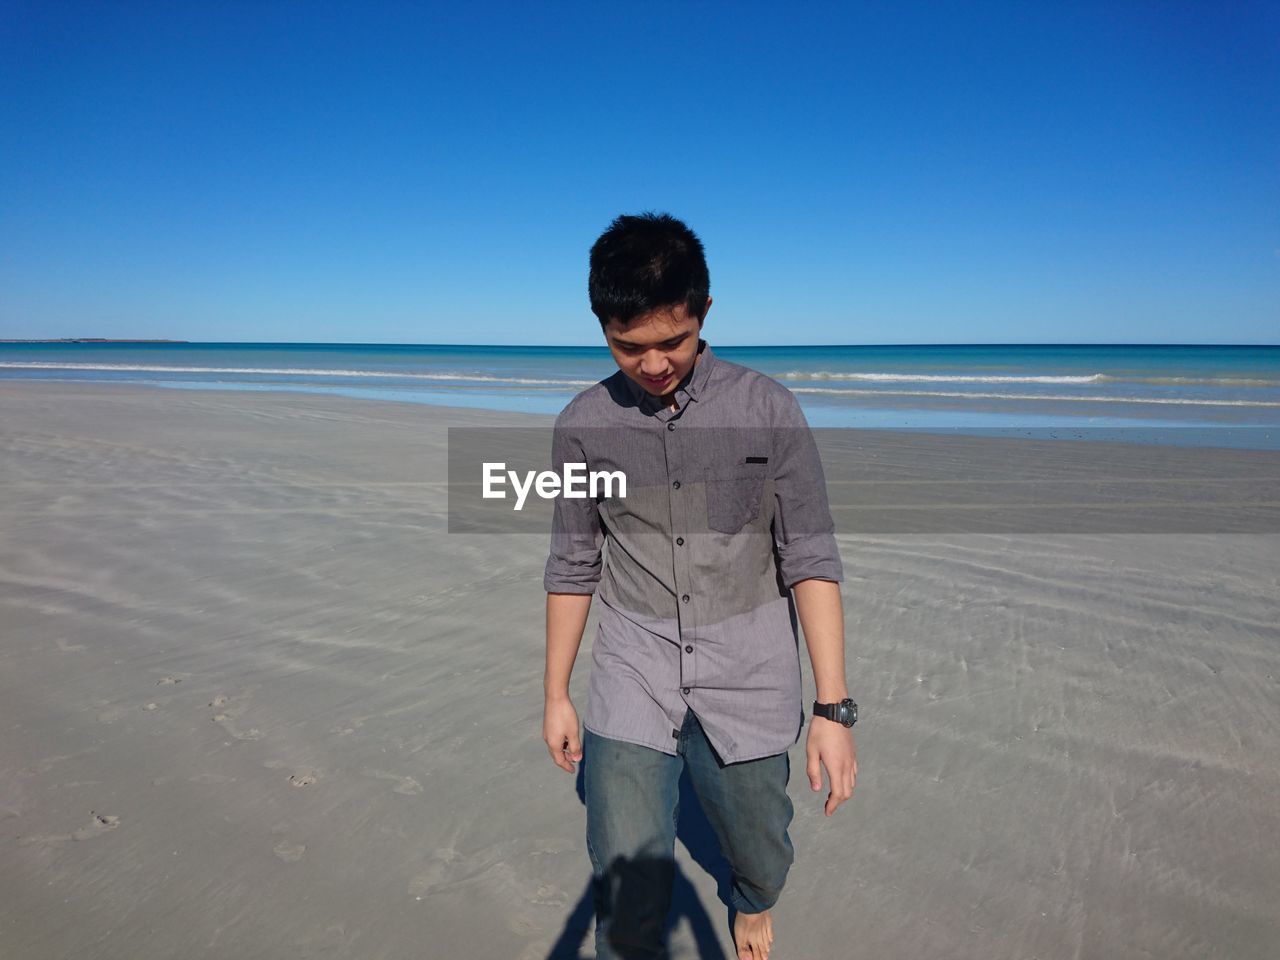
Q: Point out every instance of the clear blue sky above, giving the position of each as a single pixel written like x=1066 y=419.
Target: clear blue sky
x=860 y=173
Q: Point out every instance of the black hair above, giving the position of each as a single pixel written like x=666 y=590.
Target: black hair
x=645 y=262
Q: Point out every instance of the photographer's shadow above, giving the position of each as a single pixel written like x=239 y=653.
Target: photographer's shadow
x=694 y=831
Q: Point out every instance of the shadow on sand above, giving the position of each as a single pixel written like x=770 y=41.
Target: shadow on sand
x=694 y=831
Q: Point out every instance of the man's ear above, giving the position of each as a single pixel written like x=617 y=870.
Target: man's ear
x=705 y=311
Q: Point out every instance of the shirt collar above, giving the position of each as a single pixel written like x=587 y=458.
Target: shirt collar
x=694 y=384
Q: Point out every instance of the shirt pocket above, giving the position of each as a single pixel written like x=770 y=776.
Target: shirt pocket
x=735 y=490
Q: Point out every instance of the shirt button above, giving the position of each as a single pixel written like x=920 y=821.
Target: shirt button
x=684 y=690
x=679 y=541
x=676 y=484
x=685 y=598
x=688 y=648
x=671 y=426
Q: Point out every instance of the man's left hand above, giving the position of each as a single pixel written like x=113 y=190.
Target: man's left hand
x=831 y=745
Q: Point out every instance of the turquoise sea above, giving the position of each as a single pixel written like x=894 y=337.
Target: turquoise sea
x=1216 y=395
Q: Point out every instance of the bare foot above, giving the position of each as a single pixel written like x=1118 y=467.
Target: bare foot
x=753 y=935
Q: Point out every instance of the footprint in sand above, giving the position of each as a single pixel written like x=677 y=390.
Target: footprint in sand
x=551 y=846
x=66 y=647
x=549 y=895
x=284 y=849
x=355 y=724
x=289 y=852
x=440 y=868
x=234 y=730
x=227 y=719
x=167 y=680
x=112 y=713
x=303 y=777
x=405 y=786
x=99 y=824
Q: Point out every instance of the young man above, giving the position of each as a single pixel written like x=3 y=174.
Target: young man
x=724 y=535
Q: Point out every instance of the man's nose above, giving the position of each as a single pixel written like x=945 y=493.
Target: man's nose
x=653 y=364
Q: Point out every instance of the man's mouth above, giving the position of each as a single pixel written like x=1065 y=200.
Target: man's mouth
x=651 y=382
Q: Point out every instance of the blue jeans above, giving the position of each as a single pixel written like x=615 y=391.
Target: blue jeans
x=632 y=795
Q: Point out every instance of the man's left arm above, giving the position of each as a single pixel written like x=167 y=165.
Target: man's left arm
x=830 y=744
x=809 y=561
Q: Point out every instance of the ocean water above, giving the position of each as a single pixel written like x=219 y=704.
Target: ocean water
x=1214 y=395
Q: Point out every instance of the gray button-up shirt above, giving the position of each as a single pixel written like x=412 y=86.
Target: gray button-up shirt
x=725 y=509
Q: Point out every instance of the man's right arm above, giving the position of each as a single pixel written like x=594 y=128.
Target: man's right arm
x=572 y=573
x=566 y=620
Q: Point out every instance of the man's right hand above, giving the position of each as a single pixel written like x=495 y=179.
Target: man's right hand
x=560 y=732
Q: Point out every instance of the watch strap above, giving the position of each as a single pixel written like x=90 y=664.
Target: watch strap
x=831 y=711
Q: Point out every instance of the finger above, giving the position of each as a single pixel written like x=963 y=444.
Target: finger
x=838 y=795
x=567 y=756
x=560 y=754
x=834 y=802
x=847 y=782
x=573 y=746
x=814 y=772
x=840 y=782
x=557 y=757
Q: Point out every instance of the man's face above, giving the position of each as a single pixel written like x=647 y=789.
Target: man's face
x=657 y=349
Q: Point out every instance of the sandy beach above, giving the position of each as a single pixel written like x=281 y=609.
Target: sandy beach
x=257 y=702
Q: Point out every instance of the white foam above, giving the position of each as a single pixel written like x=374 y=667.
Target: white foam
x=292 y=371
x=1080 y=398
x=934 y=377
x=872 y=377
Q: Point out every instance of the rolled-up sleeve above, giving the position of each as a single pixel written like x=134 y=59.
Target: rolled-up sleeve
x=803 y=532
x=577 y=536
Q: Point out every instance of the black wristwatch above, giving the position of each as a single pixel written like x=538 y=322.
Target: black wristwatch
x=845 y=712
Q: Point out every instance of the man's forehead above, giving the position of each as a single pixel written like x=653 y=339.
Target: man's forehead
x=655 y=326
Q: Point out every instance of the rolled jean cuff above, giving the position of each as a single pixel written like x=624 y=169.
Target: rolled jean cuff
x=744 y=902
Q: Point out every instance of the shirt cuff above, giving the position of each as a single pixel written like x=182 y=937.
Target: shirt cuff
x=561 y=579
x=810 y=558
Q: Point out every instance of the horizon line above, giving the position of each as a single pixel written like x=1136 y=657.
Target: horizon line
x=158 y=341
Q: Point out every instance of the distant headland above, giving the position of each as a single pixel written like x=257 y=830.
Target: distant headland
x=91 y=340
